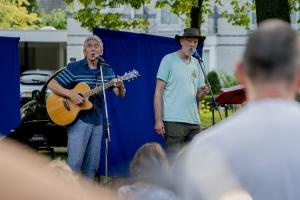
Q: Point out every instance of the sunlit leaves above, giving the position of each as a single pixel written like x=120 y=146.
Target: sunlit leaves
x=56 y=18
x=240 y=15
x=14 y=15
x=92 y=17
x=102 y=13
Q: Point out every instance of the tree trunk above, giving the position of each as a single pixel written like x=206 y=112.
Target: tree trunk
x=266 y=9
x=196 y=16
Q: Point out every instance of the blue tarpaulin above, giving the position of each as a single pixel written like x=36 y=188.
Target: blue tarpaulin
x=132 y=117
x=9 y=84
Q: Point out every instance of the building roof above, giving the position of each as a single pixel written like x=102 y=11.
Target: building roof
x=37 y=35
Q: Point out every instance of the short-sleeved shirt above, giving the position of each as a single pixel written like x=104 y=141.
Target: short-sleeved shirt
x=256 y=151
x=181 y=83
x=79 y=71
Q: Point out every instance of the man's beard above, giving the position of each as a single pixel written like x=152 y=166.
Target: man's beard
x=187 y=52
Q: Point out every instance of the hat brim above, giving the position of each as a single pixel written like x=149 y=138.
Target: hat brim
x=200 y=39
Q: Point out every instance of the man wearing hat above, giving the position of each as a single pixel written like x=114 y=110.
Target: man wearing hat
x=180 y=85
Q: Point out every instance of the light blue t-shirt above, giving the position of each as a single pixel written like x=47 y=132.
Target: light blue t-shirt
x=179 y=96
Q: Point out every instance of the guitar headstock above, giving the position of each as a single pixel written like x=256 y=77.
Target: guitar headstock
x=133 y=74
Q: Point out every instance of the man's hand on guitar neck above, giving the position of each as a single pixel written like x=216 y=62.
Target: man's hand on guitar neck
x=75 y=97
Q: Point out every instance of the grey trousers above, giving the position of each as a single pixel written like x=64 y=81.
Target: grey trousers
x=179 y=134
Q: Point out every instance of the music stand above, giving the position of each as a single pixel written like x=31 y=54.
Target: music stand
x=233 y=95
x=229 y=96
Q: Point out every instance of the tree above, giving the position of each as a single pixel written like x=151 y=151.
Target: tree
x=99 y=13
x=14 y=15
x=239 y=15
x=32 y=6
x=266 y=9
x=56 y=18
x=102 y=13
x=196 y=18
x=192 y=12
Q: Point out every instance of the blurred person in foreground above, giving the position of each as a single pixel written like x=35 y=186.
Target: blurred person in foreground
x=28 y=175
x=255 y=153
x=150 y=175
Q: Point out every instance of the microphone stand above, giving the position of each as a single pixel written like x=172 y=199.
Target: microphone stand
x=106 y=125
x=213 y=103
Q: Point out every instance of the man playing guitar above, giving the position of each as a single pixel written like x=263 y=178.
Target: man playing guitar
x=84 y=134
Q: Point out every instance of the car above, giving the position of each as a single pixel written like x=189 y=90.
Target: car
x=32 y=81
x=36 y=129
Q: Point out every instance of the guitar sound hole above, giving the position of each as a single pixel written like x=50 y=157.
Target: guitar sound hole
x=66 y=104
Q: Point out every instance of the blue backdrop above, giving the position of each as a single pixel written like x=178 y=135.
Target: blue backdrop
x=9 y=84
x=132 y=117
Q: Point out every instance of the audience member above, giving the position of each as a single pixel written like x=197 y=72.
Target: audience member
x=151 y=175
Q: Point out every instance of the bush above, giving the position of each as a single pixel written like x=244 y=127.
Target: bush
x=214 y=81
x=57 y=19
x=205 y=113
x=228 y=80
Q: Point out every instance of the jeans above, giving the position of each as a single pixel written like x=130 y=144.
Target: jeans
x=84 y=144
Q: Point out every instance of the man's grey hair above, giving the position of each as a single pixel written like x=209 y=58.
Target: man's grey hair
x=92 y=37
x=272 y=52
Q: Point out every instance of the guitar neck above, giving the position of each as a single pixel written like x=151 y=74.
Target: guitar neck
x=97 y=89
x=127 y=76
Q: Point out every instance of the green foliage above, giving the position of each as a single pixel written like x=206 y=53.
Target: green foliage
x=214 y=81
x=205 y=109
x=102 y=13
x=240 y=11
x=294 y=6
x=91 y=18
x=57 y=19
x=182 y=8
x=205 y=114
x=239 y=16
x=14 y=15
x=228 y=80
x=32 y=6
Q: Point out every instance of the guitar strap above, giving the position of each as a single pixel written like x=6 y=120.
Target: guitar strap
x=97 y=77
x=96 y=72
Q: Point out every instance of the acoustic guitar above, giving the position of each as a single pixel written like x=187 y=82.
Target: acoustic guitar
x=63 y=111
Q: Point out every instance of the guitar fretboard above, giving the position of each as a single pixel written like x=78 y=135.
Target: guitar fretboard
x=127 y=76
x=97 y=89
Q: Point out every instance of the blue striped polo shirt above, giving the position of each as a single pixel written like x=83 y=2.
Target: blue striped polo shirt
x=79 y=71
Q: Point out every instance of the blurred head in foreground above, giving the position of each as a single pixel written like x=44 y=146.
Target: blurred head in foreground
x=270 y=65
x=27 y=175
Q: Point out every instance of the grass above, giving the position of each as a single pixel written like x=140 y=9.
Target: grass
x=58 y=153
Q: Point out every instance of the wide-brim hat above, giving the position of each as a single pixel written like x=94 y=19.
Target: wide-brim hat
x=191 y=32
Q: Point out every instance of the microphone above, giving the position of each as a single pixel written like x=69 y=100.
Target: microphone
x=195 y=52
x=102 y=61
